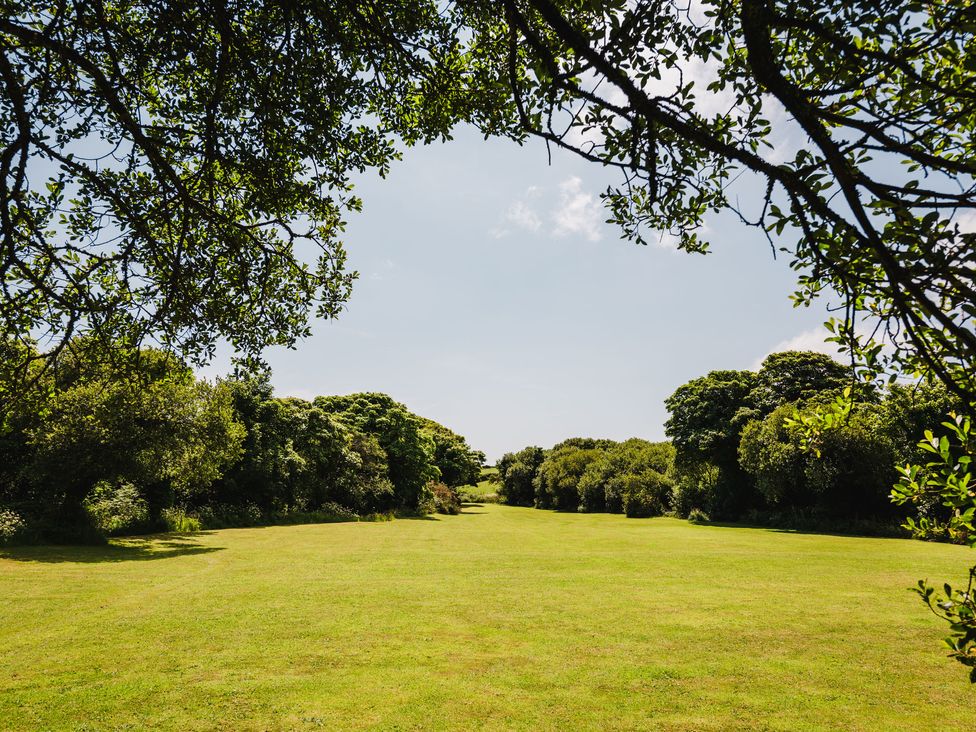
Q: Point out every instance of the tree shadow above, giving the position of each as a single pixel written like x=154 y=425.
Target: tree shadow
x=858 y=533
x=165 y=546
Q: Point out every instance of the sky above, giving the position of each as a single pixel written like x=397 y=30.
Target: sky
x=494 y=299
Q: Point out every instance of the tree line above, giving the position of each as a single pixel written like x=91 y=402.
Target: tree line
x=738 y=451
x=96 y=449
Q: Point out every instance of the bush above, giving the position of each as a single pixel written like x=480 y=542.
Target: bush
x=851 y=477
x=697 y=516
x=647 y=494
x=178 y=521
x=446 y=500
x=640 y=504
x=11 y=526
x=693 y=489
x=117 y=508
x=516 y=473
x=225 y=516
x=557 y=480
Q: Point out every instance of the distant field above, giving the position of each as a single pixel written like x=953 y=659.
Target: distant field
x=485 y=486
x=500 y=618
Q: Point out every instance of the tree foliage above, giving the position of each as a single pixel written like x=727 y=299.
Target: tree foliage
x=159 y=429
x=624 y=470
x=166 y=169
x=409 y=450
x=684 y=98
x=516 y=473
x=457 y=463
x=849 y=478
x=557 y=481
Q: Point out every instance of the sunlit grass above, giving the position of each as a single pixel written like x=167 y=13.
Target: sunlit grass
x=485 y=486
x=500 y=618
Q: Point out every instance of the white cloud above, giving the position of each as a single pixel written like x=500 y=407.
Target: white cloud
x=578 y=212
x=808 y=340
x=520 y=214
x=966 y=221
x=523 y=216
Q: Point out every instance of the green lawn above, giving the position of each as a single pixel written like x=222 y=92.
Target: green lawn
x=485 y=486
x=500 y=618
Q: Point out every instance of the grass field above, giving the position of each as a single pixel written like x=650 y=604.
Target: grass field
x=500 y=618
x=485 y=486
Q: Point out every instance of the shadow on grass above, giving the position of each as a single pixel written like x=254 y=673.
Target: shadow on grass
x=854 y=532
x=128 y=549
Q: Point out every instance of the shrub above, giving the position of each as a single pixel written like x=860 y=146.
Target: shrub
x=446 y=499
x=557 y=480
x=178 y=521
x=225 y=516
x=379 y=516
x=117 y=508
x=694 y=488
x=647 y=494
x=516 y=472
x=11 y=526
x=338 y=510
x=697 y=516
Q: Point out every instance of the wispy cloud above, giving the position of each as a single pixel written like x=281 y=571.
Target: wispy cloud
x=523 y=216
x=577 y=212
x=520 y=215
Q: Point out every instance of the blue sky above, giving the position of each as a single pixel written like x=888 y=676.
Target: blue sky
x=493 y=299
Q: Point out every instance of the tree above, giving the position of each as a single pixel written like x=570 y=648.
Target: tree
x=707 y=417
x=684 y=98
x=794 y=376
x=516 y=473
x=160 y=430
x=409 y=451
x=300 y=458
x=849 y=479
x=632 y=466
x=164 y=168
x=458 y=464
x=557 y=480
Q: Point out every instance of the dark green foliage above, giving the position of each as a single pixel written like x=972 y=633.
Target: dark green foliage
x=588 y=475
x=908 y=411
x=604 y=484
x=646 y=494
x=157 y=430
x=851 y=478
x=516 y=473
x=457 y=463
x=709 y=414
x=409 y=451
x=298 y=458
x=792 y=376
x=705 y=416
x=557 y=481
x=105 y=451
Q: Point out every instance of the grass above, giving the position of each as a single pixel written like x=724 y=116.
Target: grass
x=485 y=486
x=500 y=618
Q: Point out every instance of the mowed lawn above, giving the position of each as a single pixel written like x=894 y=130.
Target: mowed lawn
x=500 y=618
